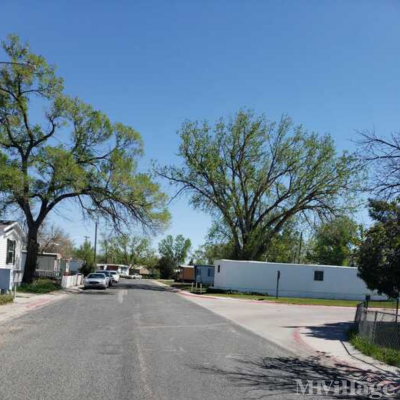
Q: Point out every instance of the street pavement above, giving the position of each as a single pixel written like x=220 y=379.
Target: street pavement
x=142 y=341
x=306 y=330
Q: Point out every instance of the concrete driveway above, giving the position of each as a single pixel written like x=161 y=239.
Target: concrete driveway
x=305 y=330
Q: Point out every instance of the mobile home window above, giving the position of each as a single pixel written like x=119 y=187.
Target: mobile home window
x=318 y=276
x=10 y=251
x=209 y=272
x=219 y=268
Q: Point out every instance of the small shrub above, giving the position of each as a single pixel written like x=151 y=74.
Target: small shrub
x=39 y=286
x=6 y=298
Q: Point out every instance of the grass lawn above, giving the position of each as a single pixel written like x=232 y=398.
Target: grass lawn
x=386 y=355
x=289 y=300
x=168 y=282
x=6 y=298
x=283 y=300
x=305 y=301
x=39 y=286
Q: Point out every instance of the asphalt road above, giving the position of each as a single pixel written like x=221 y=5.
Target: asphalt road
x=142 y=341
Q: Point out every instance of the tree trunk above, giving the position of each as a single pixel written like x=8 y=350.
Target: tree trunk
x=31 y=255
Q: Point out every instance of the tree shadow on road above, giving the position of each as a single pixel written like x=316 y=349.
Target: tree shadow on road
x=143 y=286
x=269 y=376
x=334 y=331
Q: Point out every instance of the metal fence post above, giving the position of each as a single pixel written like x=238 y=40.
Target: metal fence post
x=374 y=327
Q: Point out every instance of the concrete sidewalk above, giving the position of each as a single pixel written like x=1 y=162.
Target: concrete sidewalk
x=25 y=302
x=318 y=331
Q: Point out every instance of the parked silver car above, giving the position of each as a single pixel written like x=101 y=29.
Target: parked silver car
x=96 y=281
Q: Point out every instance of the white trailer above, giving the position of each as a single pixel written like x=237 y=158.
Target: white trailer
x=296 y=280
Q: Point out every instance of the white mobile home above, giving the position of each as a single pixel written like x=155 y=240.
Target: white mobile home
x=120 y=268
x=296 y=280
x=11 y=244
x=49 y=264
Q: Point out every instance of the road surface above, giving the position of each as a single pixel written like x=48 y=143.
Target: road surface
x=142 y=341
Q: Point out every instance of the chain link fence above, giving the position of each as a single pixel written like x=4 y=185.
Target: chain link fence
x=379 y=327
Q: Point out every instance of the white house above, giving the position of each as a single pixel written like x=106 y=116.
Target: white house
x=11 y=243
x=296 y=280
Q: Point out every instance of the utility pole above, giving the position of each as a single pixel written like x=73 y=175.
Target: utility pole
x=300 y=246
x=95 y=244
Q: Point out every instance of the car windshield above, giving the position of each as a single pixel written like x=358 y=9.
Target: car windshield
x=96 y=276
x=114 y=273
x=104 y=272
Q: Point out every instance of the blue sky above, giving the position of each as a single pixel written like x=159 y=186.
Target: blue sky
x=333 y=66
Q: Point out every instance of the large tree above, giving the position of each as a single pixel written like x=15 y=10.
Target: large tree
x=176 y=249
x=71 y=152
x=128 y=249
x=379 y=254
x=334 y=242
x=254 y=176
x=382 y=156
x=54 y=239
x=85 y=252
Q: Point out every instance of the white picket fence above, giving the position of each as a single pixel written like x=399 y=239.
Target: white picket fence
x=71 y=281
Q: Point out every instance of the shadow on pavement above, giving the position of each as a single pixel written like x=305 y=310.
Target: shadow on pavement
x=127 y=286
x=267 y=376
x=95 y=292
x=142 y=286
x=334 y=331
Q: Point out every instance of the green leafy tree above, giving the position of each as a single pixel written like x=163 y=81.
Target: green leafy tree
x=209 y=252
x=128 y=250
x=85 y=252
x=74 y=153
x=379 y=254
x=254 y=177
x=334 y=242
x=175 y=250
x=287 y=246
x=167 y=267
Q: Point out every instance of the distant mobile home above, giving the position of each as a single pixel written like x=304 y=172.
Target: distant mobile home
x=49 y=264
x=120 y=268
x=204 y=274
x=296 y=280
x=185 y=273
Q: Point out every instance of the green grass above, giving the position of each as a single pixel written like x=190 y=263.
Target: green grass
x=39 y=286
x=282 y=300
x=289 y=300
x=6 y=298
x=305 y=301
x=168 y=282
x=384 y=354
